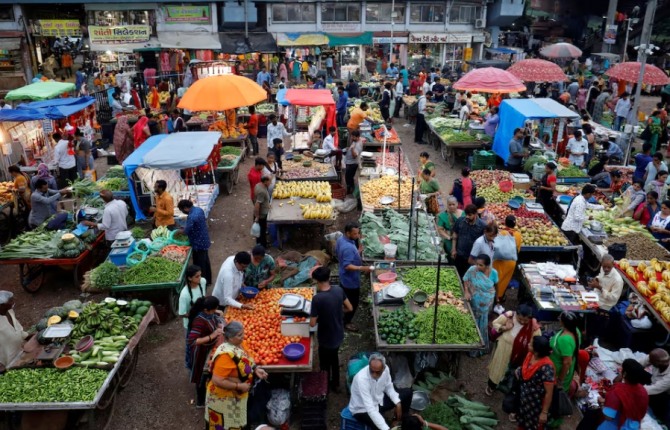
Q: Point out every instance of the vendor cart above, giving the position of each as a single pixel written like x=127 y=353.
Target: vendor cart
x=449 y=150
x=32 y=271
x=227 y=176
x=167 y=292
x=93 y=415
x=288 y=215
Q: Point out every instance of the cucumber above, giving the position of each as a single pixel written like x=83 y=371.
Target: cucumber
x=101 y=363
x=111 y=359
x=88 y=363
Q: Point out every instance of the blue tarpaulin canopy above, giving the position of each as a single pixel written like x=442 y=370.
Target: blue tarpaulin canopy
x=47 y=109
x=514 y=113
x=281 y=97
x=169 y=152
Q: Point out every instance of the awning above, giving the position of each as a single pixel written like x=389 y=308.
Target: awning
x=188 y=40
x=341 y=39
x=236 y=43
x=301 y=39
x=40 y=91
x=128 y=48
x=47 y=109
x=10 y=44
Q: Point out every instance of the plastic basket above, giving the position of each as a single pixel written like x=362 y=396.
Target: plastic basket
x=483 y=160
x=338 y=191
x=506 y=186
x=174 y=241
x=131 y=261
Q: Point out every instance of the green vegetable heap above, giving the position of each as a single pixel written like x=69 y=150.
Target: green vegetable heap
x=47 y=385
x=82 y=187
x=395 y=326
x=230 y=150
x=153 y=270
x=424 y=278
x=138 y=233
x=453 y=327
x=571 y=172
x=38 y=243
x=105 y=276
x=113 y=184
x=396 y=227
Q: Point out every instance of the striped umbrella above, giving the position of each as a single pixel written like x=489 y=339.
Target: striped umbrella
x=490 y=80
x=630 y=72
x=561 y=50
x=535 y=70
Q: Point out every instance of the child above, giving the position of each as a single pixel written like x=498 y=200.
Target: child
x=316 y=141
x=278 y=150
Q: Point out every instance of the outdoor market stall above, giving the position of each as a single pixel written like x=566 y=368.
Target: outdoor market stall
x=41 y=91
x=163 y=157
x=77 y=383
x=305 y=98
x=407 y=316
x=448 y=136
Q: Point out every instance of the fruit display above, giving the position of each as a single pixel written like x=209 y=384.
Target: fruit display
x=6 y=192
x=375 y=189
x=652 y=280
x=319 y=190
x=161 y=231
x=110 y=317
x=229 y=131
x=265 y=108
x=615 y=225
x=262 y=327
x=390 y=134
x=485 y=178
x=493 y=194
x=69 y=246
x=316 y=211
x=391 y=161
x=373 y=110
x=536 y=228
x=640 y=247
x=104 y=354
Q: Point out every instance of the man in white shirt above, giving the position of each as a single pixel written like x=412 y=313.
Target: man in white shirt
x=578 y=148
x=659 y=390
x=230 y=279
x=399 y=91
x=113 y=217
x=621 y=111
x=333 y=151
x=372 y=393
x=464 y=112
x=12 y=335
x=421 y=124
x=276 y=130
x=576 y=216
x=608 y=283
x=67 y=163
x=426 y=87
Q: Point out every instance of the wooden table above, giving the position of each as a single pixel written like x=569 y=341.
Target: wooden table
x=291 y=215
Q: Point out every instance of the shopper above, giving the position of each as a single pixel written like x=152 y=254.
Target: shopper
x=480 y=289
x=348 y=253
x=65 y=159
x=261 y=209
x=198 y=235
x=204 y=330
x=536 y=376
x=626 y=404
x=163 y=211
x=352 y=159
x=421 y=124
x=252 y=128
x=466 y=231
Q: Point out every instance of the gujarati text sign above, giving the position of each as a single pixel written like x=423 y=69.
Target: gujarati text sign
x=187 y=14
x=59 y=27
x=119 y=34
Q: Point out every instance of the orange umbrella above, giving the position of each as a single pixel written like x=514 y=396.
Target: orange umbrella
x=219 y=93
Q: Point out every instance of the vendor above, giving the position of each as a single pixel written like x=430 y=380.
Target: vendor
x=372 y=393
x=578 y=148
x=164 y=209
x=576 y=216
x=230 y=280
x=546 y=189
x=262 y=270
x=516 y=152
x=41 y=202
x=12 y=335
x=20 y=183
x=492 y=121
x=198 y=236
x=658 y=361
x=275 y=130
x=356 y=117
x=333 y=151
x=613 y=151
x=113 y=217
x=609 y=285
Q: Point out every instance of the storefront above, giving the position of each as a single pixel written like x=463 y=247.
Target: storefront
x=57 y=43
x=426 y=50
x=377 y=55
x=350 y=54
x=13 y=59
x=303 y=46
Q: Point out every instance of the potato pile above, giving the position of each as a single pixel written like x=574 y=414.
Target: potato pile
x=375 y=189
x=640 y=247
x=6 y=191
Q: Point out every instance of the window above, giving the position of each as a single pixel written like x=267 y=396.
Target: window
x=462 y=14
x=293 y=12
x=120 y=17
x=7 y=13
x=381 y=12
x=429 y=13
x=338 y=12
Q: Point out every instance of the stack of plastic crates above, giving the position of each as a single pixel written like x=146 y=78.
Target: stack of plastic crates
x=313 y=393
x=348 y=421
x=483 y=160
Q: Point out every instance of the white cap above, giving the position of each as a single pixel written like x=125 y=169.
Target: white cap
x=5 y=296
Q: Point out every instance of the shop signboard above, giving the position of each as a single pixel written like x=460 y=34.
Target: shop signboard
x=189 y=14
x=59 y=27
x=341 y=27
x=440 y=38
x=119 y=34
x=610 y=34
x=386 y=40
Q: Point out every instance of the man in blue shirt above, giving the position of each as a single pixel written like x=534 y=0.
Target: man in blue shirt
x=198 y=236
x=319 y=84
x=613 y=151
x=392 y=71
x=263 y=76
x=349 y=256
x=404 y=74
x=342 y=106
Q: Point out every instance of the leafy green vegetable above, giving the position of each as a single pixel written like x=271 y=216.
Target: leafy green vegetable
x=571 y=172
x=532 y=161
x=115 y=172
x=453 y=327
x=82 y=187
x=138 y=233
x=233 y=150
x=38 y=243
x=105 y=276
x=226 y=162
x=442 y=414
x=113 y=184
x=153 y=270
x=47 y=385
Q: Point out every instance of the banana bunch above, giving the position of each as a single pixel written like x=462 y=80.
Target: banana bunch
x=163 y=97
x=632 y=273
x=316 y=211
x=305 y=189
x=624 y=264
x=644 y=289
x=100 y=321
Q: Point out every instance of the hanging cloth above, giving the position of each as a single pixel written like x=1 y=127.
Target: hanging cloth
x=165 y=61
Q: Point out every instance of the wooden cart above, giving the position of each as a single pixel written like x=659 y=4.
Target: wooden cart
x=228 y=176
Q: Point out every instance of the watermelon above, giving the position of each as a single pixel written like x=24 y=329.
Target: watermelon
x=41 y=325
x=72 y=305
x=142 y=310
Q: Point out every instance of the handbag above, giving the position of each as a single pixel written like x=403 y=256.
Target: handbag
x=512 y=400
x=504 y=247
x=561 y=406
x=646 y=133
x=506 y=384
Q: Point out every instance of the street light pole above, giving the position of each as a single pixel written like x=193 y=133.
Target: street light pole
x=643 y=51
x=625 y=44
x=391 y=43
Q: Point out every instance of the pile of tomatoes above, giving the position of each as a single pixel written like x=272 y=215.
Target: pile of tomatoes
x=262 y=326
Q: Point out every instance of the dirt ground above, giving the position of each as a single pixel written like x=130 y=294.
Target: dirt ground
x=160 y=396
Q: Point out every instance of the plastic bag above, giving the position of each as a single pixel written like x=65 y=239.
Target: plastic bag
x=402 y=377
x=333 y=236
x=255 y=230
x=348 y=205
x=424 y=360
x=642 y=323
x=279 y=407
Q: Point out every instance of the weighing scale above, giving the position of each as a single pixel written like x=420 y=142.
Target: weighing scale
x=123 y=243
x=392 y=295
x=595 y=237
x=59 y=334
x=294 y=305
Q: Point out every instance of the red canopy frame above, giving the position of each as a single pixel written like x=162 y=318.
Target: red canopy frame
x=307 y=97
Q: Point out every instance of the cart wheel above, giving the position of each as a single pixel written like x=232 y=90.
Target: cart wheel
x=228 y=182
x=236 y=175
x=32 y=277
x=173 y=302
x=444 y=150
x=127 y=368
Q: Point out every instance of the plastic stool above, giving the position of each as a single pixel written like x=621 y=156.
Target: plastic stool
x=349 y=422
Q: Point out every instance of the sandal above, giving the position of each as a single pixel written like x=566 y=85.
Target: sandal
x=488 y=391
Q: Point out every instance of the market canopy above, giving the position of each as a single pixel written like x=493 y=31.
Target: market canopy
x=490 y=80
x=40 y=91
x=537 y=70
x=220 y=93
x=175 y=151
x=514 y=113
x=306 y=97
x=561 y=50
x=630 y=72
x=47 y=109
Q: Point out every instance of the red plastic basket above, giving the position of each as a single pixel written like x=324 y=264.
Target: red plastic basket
x=338 y=191
x=506 y=186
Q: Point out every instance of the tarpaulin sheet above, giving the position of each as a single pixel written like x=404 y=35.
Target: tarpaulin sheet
x=40 y=91
x=513 y=114
x=47 y=109
x=281 y=97
x=169 y=152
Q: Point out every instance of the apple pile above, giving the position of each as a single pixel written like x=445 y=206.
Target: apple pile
x=536 y=228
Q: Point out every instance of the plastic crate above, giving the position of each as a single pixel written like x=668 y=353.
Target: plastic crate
x=483 y=161
x=314 y=385
x=350 y=423
x=338 y=191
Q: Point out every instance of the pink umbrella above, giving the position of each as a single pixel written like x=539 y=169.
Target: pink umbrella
x=490 y=80
x=535 y=70
x=630 y=72
x=561 y=50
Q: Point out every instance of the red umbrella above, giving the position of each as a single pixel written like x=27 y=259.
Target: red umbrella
x=561 y=50
x=630 y=72
x=490 y=80
x=535 y=70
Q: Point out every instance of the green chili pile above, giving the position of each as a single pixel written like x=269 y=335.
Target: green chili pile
x=154 y=270
x=76 y=384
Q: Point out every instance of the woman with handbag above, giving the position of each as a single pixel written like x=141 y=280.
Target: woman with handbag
x=513 y=332
x=626 y=404
x=565 y=349
x=536 y=377
x=506 y=247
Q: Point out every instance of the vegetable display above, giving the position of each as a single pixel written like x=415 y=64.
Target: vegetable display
x=616 y=225
x=640 y=247
x=38 y=243
x=443 y=414
x=115 y=172
x=473 y=415
x=175 y=253
x=161 y=231
x=109 y=318
x=153 y=270
x=113 y=184
x=69 y=246
x=533 y=160
x=72 y=385
x=138 y=233
x=395 y=326
x=487 y=177
x=571 y=172
x=296 y=170
x=424 y=278
x=453 y=326
x=394 y=228
x=105 y=353
x=230 y=150
x=391 y=135
x=391 y=160
x=82 y=187
x=105 y=276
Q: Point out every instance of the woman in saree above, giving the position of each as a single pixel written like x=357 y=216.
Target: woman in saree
x=654 y=124
x=203 y=331
x=123 y=139
x=536 y=388
x=515 y=331
x=565 y=349
x=233 y=370
x=446 y=222
x=480 y=289
x=141 y=131
x=503 y=252
x=626 y=404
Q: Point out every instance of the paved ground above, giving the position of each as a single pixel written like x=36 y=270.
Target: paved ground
x=160 y=396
